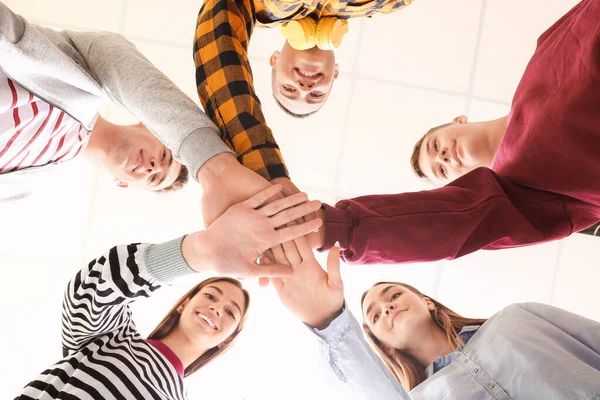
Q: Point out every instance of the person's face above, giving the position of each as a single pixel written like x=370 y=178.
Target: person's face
x=394 y=314
x=454 y=150
x=302 y=79
x=137 y=158
x=213 y=314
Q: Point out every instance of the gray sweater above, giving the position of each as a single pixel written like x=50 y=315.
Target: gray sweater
x=79 y=71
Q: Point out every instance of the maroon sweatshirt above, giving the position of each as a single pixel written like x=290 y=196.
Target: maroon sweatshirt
x=545 y=183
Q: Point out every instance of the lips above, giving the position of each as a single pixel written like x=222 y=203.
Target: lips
x=455 y=154
x=308 y=74
x=396 y=315
x=209 y=321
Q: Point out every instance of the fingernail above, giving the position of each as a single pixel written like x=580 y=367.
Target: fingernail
x=337 y=244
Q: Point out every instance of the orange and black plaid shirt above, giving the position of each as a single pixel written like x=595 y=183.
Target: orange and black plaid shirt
x=224 y=76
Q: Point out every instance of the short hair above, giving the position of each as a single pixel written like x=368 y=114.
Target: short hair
x=288 y=112
x=179 y=183
x=414 y=158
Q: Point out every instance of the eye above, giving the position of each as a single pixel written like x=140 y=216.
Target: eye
x=395 y=296
x=435 y=145
x=230 y=315
x=164 y=155
x=376 y=318
x=288 y=89
x=153 y=179
x=209 y=296
x=443 y=172
x=316 y=95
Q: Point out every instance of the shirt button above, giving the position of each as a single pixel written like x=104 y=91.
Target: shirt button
x=466 y=361
x=476 y=370
x=491 y=385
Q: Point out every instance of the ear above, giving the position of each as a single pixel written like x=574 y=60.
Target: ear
x=430 y=305
x=182 y=306
x=461 y=119
x=120 y=183
x=336 y=71
x=274 y=58
x=140 y=125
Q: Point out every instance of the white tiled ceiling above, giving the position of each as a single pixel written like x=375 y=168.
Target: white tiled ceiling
x=401 y=74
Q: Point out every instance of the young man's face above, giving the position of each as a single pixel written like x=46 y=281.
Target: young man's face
x=137 y=158
x=302 y=79
x=454 y=150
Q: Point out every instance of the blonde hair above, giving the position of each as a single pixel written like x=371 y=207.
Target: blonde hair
x=171 y=320
x=402 y=365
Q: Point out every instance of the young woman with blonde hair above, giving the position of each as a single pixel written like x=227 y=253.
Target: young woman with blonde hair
x=417 y=348
x=105 y=357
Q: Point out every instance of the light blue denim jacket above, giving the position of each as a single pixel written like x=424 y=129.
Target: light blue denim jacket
x=524 y=352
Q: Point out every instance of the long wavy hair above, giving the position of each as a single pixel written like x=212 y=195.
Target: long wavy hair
x=402 y=365
x=171 y=320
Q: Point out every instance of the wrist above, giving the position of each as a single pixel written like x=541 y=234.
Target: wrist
x=216 y=167
x=323 y=322
x=198 y=251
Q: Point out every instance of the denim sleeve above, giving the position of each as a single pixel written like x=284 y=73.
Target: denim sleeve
x=354 y=363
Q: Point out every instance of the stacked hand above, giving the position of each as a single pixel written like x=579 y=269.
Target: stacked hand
x=311 y=294
x=234 y=241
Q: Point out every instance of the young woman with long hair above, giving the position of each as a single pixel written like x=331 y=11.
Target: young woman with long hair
x=105 y=357
x=417 y=348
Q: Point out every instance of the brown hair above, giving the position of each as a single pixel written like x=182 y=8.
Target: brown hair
x=179 y=183
x=403 y=366
x=171 y=320
x=414 y=158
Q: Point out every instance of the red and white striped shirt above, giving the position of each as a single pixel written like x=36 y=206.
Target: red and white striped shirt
x=33 y=132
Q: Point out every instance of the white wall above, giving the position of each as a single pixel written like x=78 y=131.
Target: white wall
x=400 y=75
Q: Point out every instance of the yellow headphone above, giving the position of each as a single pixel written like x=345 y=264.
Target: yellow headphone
x=305 y=33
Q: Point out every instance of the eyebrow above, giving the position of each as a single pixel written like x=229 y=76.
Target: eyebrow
x=164 y=174
x=221 y=293
x=383 y=292
x=434 y=170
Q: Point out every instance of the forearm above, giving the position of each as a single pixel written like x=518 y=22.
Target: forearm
x=225 y=85
x=478 y=211
x=132 y=81
x=354 y=363
x=96 y=300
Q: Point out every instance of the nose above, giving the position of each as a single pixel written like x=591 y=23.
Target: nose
x=153 y=166
x=388 y=309
x=305 y=84
x=443 y=155
x=216 y=309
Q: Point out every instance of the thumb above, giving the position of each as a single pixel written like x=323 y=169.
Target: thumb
x=333 y=268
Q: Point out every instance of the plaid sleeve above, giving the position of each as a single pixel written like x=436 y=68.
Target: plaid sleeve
x=225 y=87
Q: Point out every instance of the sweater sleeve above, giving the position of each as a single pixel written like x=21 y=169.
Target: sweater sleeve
x=225 y=85
x=480 y=210
x=129 y=79
x=354 y=363
x=97 y=299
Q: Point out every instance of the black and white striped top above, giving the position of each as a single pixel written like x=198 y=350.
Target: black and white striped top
x=105 y=356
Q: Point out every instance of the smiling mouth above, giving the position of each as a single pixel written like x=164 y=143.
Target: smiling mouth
x=207 y=319
x=455 y=154
x=307 y=74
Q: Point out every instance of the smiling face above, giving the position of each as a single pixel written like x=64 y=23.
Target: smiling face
x=302 y=79
x=453 y=150
x=394 y=313
x=213 y=314
x=137 y=158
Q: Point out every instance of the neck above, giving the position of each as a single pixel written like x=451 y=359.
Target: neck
x=496 y=131
x=185 y=350
x=100 y=140
x=432 y=343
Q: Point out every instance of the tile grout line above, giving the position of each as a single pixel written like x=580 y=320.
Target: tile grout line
x=123 y=16
x=471 y=87
x=353 y=75
x=555 y=272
